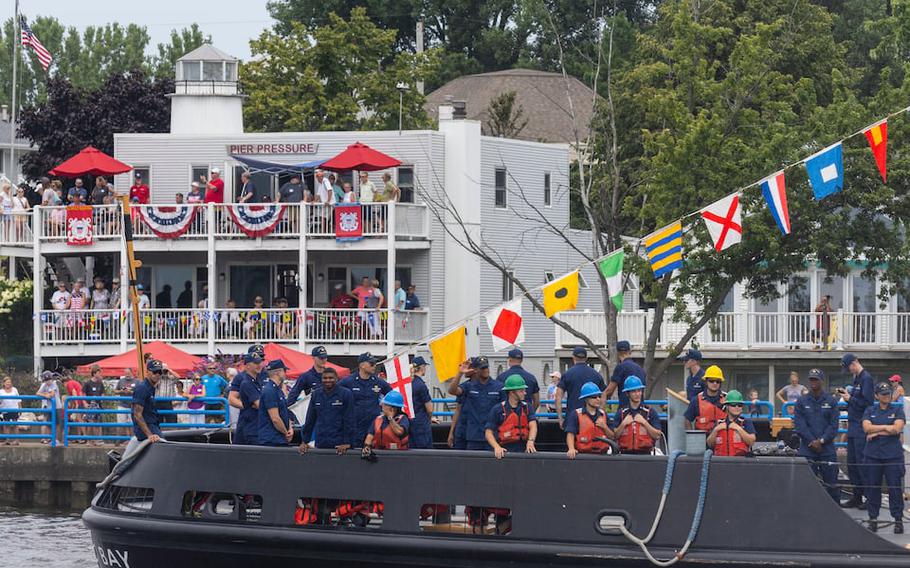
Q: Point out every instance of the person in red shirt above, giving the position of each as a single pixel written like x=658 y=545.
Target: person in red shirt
x=139 y=190
x=74 y=388
x=214 y=192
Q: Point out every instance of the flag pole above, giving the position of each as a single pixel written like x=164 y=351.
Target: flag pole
x=12 y=109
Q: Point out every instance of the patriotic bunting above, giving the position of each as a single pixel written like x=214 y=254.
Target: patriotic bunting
x=724 y=219
x=167 y=222
x=256 y=220
x=774 y=190
x=664 y=249
x=826 y=171
x=877 y=135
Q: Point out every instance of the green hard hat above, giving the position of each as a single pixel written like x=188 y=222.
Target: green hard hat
x=514 y=383
x=734 y=396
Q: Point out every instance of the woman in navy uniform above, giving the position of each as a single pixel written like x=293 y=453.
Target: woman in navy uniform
x=637 y=425
x=882 y=423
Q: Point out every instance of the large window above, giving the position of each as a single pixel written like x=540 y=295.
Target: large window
x=146 y=173
x=263 y=182
x=212 y=71
x=197 y=172
x=500 y=192
x=863 y=294
x=798 y=299
x=406 y=183
x=833 y=288
x=191 y=71
x=547 y=196
x=249 y=281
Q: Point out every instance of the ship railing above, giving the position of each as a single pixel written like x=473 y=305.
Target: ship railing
x=50 y=423
x=74 y=416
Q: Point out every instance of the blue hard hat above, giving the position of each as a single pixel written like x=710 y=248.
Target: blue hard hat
x=589 y=389
x=632 y=383
x=419 y=361
x=393 y=398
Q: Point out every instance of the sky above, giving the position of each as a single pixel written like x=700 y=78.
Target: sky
x=231 y=23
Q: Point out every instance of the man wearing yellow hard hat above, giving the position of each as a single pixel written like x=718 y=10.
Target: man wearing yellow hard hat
x=707 y=409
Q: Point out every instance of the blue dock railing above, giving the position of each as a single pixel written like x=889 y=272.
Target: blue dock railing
x=787 y=411
x=50 y=423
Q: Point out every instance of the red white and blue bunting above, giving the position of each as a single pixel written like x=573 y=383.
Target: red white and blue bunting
x=168 y=222
x=256 y=220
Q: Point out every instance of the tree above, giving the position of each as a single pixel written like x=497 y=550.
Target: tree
x=15 y=310
x=340 y=76
x=505 y=119
x=398 y=15
x=72 y=118
x=182 y=42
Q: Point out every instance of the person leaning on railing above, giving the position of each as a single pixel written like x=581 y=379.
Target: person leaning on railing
x=7 y=389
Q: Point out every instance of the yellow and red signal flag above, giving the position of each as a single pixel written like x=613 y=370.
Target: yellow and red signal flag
x=877 y=135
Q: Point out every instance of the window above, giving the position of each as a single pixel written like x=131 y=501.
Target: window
x=191 y=70
x=127 y=499
x=406 y=184
x=547 y=197
x=500 y=193
x=321 y=512
x=548 y=276
x=798 y=294
x=212 y=71
x=582 y=283
x=221 y=506
x=508 y=289
x=337 y=275
x=197 y=172
x=465 y=519
x=230 y=71
x=834 y=288
x=146 y=173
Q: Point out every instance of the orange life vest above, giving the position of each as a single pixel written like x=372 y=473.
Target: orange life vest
x=709 y=414
x=306 y=515
x=515 y=427
x=730 y=443
x=386 y=439
x=634 y=437
x=586 y=440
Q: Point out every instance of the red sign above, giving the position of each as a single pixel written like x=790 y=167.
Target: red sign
x=79 y=229
x=348 y=222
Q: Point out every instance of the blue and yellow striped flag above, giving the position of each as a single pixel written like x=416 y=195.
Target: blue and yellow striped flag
x=664 y=249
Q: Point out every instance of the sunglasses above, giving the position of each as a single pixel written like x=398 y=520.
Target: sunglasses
x=736 y=404
x=715 y=381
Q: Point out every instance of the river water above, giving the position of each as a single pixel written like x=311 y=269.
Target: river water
x=39 y=539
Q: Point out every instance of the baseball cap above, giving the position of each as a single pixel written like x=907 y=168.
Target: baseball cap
x=320 y=352
x=140 y=287
x=894 y=379
x=216 y=170
x=276 y=364
x=883 y=388
x=137 y=175
x=419 y=361
x=154 y=366
x=623 y=346
x=195 y=184
x=579 y=351
x=252 y=358
x=817 y=374
x=47 y=375
x=847 y=359
x=480 y=363
x=516 y=354
x=257 y=349
x=366 y=358
x=690 y=355
x=116 y=281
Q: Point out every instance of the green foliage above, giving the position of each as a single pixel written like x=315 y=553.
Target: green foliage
x=340 y=76
x=505 y=118
x=15 y=316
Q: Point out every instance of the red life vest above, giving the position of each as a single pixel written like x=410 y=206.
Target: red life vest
x=514 y=427
x=586 y=440
x=307 y=514
x=385 y=438
x=709 y=414
x=634 y=438
x=730 y=443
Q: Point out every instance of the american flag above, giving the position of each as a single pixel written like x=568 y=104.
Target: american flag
x=31 y=40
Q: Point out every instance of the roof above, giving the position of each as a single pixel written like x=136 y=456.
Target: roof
x=206 y=52
x=541 y=95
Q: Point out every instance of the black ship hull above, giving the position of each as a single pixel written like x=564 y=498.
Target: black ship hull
x=763 y=511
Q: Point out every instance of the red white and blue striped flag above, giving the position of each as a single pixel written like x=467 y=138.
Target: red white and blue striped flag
x=31 y=40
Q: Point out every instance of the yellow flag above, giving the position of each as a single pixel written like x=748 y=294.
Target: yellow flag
x=449 y=352
x=561 y=295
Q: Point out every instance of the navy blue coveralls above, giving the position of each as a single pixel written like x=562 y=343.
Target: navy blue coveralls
x=247 y=431
x=305 y=384
x=884 y=458
x=367 y=393
x=860 y=398
x=332 y=415
x=421 y=436
x=623 y=371
x=272 y=397
x=817 y=419
x=479 y=399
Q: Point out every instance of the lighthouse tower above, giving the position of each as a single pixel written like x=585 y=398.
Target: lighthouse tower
x=206 y=97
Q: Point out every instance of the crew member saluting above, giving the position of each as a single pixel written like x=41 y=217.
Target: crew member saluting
x=481 y=394
x=367 y=389
x=389 y=430
x=331 y=413
x=587 y=430
x=145 y=414
x=706 y=409
x=735 y=434
x=274 y=426
x=816 y=420
x=883 y=423
x=637 y=425
x=512 y=425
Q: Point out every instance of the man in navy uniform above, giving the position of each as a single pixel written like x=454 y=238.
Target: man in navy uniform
x=625 y=369
x=145 y=414
x=815 y=419
x=883 y=423
x=250 y=390
x=695 y=375
x=312 y=378
x=331 y=413
x=858 y=399
x=367 y=389
x=421 y=425
x=572 y=380
x=481 y=393
x=274 y=426
x=532 y=398
x=253 y=368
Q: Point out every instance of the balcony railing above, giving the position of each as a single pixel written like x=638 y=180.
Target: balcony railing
x=316 y=220
x=244 y=325
x=755 y=330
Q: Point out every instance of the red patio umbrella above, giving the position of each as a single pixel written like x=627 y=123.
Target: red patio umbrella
x=297 y=362
x=179 y=362
x=90 y=161
x=362 y=158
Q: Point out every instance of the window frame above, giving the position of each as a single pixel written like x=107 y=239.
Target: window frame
x=547 y=190
x=508 y=296
x=410 y=187
x=497 y=189
x=548 y=276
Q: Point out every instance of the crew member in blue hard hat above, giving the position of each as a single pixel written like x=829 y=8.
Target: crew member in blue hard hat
x=625 y=369
x=695 y=375
x=707 y=409
x=512 y=424
x=145 y=414
x=735 y=434
x=637 y=425
x=389 y=430
x=247 y=430
x=481 y=393
x=367 y=389
x=883 y=423
x=274 y=424
x=858 y=399
x=571 y=382
x=421 y=424
x=587 y=428
x=312 y=378
x=516 y=357
x=331 y=415
x=815 y=420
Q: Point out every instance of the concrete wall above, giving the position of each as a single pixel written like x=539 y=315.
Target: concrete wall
x=51 y=477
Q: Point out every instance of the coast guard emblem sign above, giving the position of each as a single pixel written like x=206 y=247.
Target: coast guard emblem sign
x=348 y=222
x=79 y=229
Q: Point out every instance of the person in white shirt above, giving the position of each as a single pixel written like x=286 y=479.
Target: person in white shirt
x=7 y=405
x=324 y=192
x=50 y=390
x=60 y=297
x=367 y=189
x=349 y=196
x=143 y=299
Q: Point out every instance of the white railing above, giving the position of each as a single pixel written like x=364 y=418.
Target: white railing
x=345 y=326
x=171 y=325
x=198 y=226
x=80 y=326
x=106 y=223
x=246 y=325
x=632 y=326
x=321 y=220
x=411 y=325
x=16 y=230
x=411 y=221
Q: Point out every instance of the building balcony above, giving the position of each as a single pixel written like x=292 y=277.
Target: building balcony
x=202 y=331
x=755 y=331
x=406 y=223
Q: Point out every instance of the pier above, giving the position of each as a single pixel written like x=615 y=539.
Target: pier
x=37 y=475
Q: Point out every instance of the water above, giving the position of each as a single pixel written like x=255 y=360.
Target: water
x=38 y=539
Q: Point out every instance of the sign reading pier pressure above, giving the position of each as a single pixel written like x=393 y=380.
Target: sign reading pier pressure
x=282 y=148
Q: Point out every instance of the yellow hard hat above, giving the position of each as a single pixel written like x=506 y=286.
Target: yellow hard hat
x=714 y=372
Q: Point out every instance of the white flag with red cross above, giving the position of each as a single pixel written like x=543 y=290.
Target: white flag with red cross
x=724 y=219
x=398 y=375
x=506 y=325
